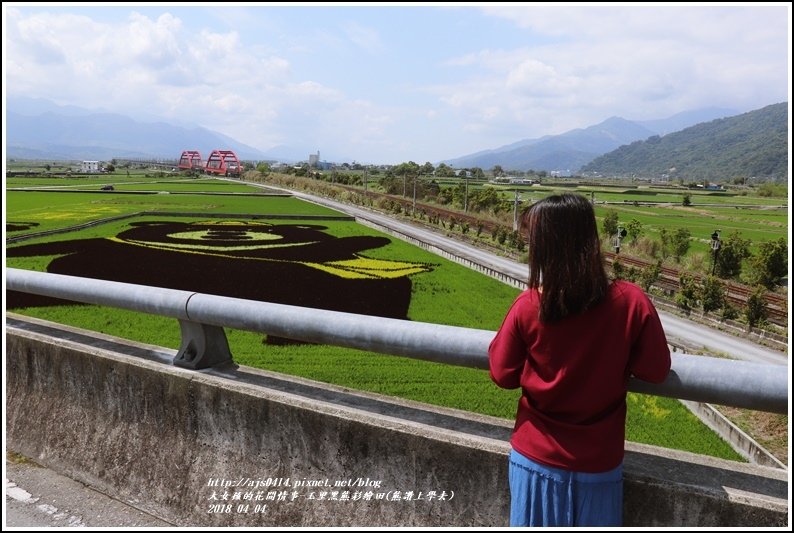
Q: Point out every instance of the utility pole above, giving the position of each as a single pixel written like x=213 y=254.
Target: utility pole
x=414 y=209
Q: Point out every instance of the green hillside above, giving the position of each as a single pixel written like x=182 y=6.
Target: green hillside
x=754 y=144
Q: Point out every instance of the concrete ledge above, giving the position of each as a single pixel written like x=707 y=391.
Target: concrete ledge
x=671 y=488
x=119 y=417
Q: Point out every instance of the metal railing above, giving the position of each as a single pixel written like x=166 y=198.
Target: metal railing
x=202 y=318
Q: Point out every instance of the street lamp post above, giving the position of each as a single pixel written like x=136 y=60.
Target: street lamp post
x=466 y=195
x=515 y=211
x=618 y=237
x=715 y=248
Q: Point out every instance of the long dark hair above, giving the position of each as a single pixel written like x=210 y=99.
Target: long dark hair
x=564 y=256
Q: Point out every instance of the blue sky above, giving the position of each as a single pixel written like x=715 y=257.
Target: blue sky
x=390 y=83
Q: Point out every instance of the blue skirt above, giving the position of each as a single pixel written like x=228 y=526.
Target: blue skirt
x=541 y=495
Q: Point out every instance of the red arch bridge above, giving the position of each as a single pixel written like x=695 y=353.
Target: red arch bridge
x=219 y=162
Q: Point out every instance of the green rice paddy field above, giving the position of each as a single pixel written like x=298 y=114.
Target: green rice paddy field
x=52 y=210
x=755 y=218
x=447 y=294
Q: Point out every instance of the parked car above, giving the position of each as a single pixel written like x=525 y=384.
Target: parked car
x=107 y=188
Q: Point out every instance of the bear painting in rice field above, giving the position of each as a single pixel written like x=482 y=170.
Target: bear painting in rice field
x=293 y=264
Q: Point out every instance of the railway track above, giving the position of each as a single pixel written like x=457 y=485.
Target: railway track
x=776 y=304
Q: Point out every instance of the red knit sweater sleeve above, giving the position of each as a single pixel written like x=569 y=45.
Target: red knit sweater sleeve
x=507 y=352
x=650 y=355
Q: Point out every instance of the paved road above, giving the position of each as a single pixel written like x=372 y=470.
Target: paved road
x=716 y=341
x=37 y=497
x=677 y=329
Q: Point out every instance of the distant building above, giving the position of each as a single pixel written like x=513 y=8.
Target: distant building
x=314 y=159
x=89 y=166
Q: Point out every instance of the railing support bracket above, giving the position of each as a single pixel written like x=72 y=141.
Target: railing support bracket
x=202 y=346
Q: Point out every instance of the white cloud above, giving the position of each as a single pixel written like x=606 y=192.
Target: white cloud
x=316 y=90
x=40 y=37
x=496 y=60
x=145 y=64
x=148 y=43
x=707 y=24
x=537 y=78
x=639 y=62
x=367 y=39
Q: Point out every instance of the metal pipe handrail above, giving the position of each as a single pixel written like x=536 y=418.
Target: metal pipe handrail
x=733 y=383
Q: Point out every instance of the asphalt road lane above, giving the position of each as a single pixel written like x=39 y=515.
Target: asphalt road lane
x=716 y=341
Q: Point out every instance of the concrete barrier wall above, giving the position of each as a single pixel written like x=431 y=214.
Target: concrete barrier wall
x=119 y=417
x=740 y=441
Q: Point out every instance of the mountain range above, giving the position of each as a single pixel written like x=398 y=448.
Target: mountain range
x=753 y=144
x=570 y=151
x=41 y=129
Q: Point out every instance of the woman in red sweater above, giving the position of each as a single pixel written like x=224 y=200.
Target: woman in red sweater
x=570 y=342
